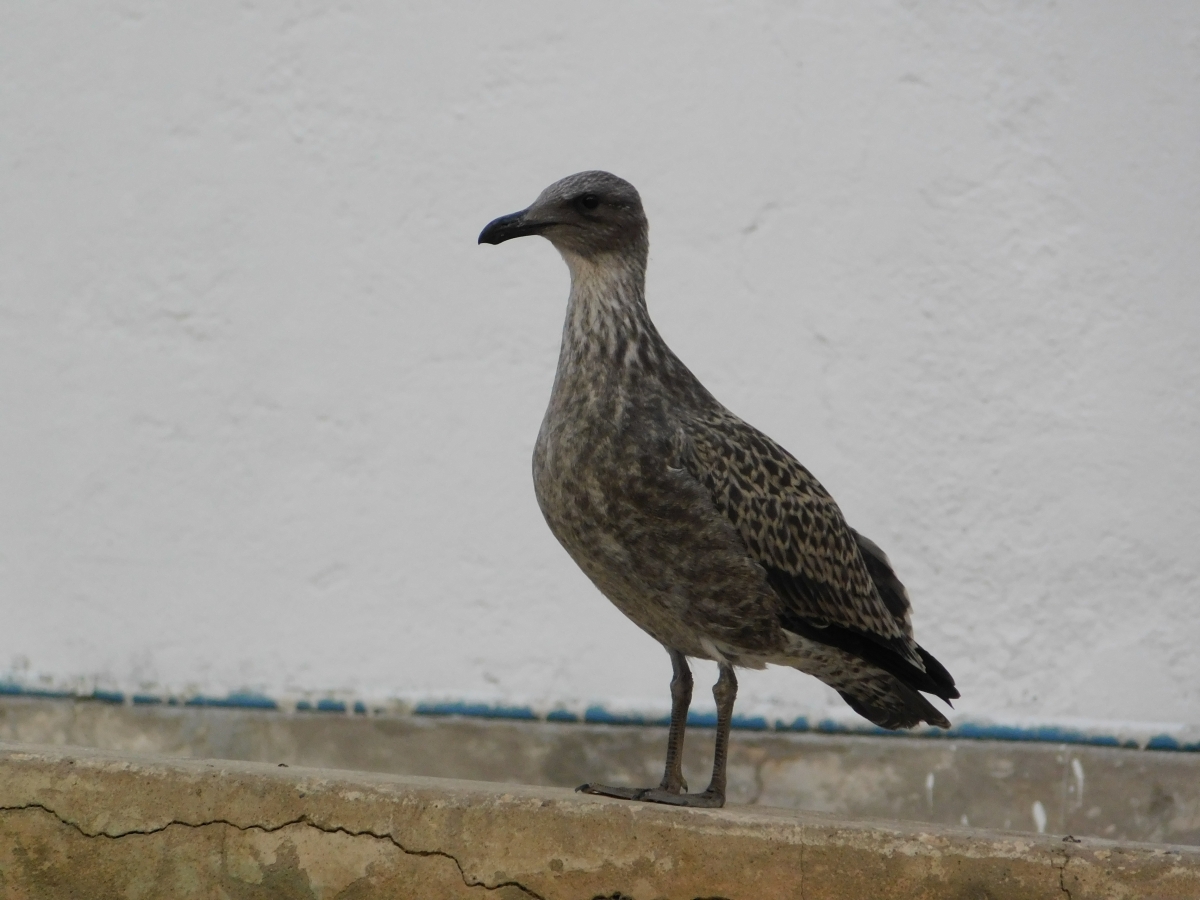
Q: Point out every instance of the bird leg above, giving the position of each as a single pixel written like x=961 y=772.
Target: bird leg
x=725 y=693
x=670 y=791
x=672 y=780
x=681 y=699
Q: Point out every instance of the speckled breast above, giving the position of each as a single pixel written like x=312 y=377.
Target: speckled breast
x=647 y=535
x=603 y=489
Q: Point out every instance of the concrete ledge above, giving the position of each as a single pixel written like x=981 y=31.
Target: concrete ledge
x=81 y=823
x=1118 y=794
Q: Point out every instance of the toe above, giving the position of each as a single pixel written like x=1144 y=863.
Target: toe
x=604 y=790
x=706 y=800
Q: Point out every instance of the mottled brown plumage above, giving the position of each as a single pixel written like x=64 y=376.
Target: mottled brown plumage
x=701 y=529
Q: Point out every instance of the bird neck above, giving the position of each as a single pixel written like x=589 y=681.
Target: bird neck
x=607 y=319
x=611 y=352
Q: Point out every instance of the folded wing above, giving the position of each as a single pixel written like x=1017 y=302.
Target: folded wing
x=838 y=588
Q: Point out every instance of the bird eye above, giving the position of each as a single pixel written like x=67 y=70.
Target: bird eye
x=589 y=201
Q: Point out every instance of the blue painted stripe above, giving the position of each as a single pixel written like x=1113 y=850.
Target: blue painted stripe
x=599 y=715
x=7 y=687
x=236 y=701
x=477 y=710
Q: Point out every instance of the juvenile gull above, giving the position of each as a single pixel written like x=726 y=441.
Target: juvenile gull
x=706 y=533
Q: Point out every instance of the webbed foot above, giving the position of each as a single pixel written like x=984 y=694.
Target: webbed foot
x=621 y=793
x=707 y=800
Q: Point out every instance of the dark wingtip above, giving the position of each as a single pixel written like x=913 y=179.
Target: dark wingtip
x=943 y=681
x=905 y=708
x=939 y=721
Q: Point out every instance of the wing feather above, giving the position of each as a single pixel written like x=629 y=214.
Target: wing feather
x=792 y=526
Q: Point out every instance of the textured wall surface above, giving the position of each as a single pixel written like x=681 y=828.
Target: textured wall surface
x=268 y=410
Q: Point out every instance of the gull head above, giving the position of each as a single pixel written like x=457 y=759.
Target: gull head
x=585 y=215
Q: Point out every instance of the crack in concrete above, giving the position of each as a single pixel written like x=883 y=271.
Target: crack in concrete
x=268 y=829
x=1062 y=875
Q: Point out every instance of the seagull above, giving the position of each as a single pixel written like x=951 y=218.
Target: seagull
x=706 y=533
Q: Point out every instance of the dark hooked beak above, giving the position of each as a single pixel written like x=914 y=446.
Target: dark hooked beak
x=514 y=225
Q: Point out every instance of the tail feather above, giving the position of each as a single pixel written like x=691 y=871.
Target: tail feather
x=899 y=707
x=871 y=690
x=937 y=679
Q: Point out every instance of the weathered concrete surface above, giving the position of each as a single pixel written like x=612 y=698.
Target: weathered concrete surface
x=78 y=823
x=1120 y=794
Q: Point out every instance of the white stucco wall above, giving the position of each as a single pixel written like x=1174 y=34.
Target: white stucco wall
x=268 y=409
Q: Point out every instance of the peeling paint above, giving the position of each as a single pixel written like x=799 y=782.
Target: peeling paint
x=1131 y=737
x=1039 y=816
